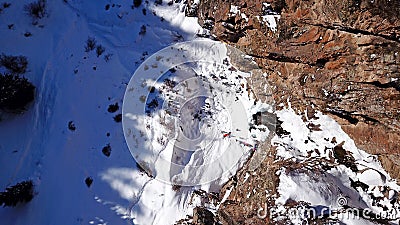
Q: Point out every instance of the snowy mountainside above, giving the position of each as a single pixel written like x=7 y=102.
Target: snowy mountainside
x=194 y=113
x=84 y=88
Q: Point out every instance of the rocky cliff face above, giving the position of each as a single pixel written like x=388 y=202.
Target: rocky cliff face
x=338 y=57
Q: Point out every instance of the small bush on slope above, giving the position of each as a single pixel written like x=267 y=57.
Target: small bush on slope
x=90 y=44
x=14 y=64
x=137 y=3
x=36 y=10
x=19 y=193
x=100 y=50
x=15 y=93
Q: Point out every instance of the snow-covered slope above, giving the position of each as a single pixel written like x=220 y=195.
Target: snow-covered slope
x=85 y=89
x=192 y=115
x=74 y=85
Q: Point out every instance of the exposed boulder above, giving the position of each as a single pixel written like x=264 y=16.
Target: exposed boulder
x=202 y=216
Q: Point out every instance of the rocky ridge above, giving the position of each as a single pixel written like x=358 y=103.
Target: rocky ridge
x=338 y=57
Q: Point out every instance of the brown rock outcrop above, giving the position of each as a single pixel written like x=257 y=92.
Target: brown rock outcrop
x=339 y=57
x=342 y=57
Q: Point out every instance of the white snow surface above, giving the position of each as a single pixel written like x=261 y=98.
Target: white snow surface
x=311 y=147
x=78 y=86
x=199 y=134
x=74 y=85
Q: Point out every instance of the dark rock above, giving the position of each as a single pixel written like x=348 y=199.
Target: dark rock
x=113 y=108
x=106 y=150
x=202 y=216
x=118 y=118
x=344 y=157
x=88 y=181
x=71 y=126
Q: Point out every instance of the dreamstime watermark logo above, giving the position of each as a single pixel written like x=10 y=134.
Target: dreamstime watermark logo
x=187 y=113
x=341 y=201
x=341 y=211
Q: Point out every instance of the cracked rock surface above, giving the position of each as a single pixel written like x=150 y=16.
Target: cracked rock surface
x=339 y=57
